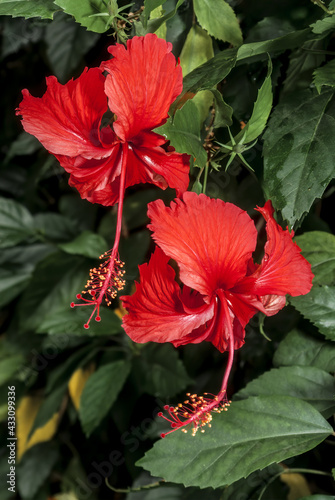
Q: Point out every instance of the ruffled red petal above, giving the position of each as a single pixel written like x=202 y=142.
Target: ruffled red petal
x=66 y=119
x=95 y=179
x=156 y=311
x=283 y=269
x=142 y=83
x=211 y=241
x=155 y=165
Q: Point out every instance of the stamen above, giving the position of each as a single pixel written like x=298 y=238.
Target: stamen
x=196 y=410
x=104 y=283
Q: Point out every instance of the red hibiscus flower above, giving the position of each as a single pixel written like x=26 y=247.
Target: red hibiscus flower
x=221 y=288
x=103 y=159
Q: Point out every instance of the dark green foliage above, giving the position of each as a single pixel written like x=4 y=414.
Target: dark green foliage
x=272 y=82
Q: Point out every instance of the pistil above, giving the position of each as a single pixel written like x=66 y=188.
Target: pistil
x=106 y=280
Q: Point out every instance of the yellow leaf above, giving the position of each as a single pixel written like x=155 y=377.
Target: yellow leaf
x=298 y=486
x=77 y=383
x=65 y=496
x=25 y=417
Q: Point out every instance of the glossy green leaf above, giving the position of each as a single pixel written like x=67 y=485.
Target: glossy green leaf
x=253 y=434
x=50 y=405
x=154 y=24
x=160 y=371
x=299 y=348
x=318 y=247
x=35 y=467
x=28 y=8
x=223 y=112
x=319 y=497
x=24 y=144
x=184 y=133
x=197 y=49
x=56 y=281
x=149 y=6
x=277 y=45
x=318 y=306
x=260 y=112
x=45 y=305
x=16 y=223
x=67 y=42
x=13 y=283
x=323 y=25
x=324 y=75
x=298 y=139
x=219 y=19
x=251 y=487
x=309 y=383
x=54 y=227
x=10 y=363
x=100 y=392
x=207 y=75
x=88 y=244
x=84 y=13
x=71 y=321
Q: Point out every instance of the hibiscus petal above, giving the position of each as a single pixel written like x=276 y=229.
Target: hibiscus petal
x=144 y=80
x=96 y=180
x=156 y=310
x=66 y=119
x=159 y=167
x=283 y=269
x=211 y=241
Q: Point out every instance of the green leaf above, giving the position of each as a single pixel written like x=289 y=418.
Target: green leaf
x=54 y=227
x=35 y=467
x=219 y=19
x=100 y=393
x=16 y=223
x=49 y=407
x=252 y=486
x=28 y=8
x=323 y=25
x=298 y=348
x=71 y=321
x=318 y=247
x=10 y=363
x=160 y=371
x=45 y=305
x=155 y=24
x=309 y=383
x=24 y=144
x=149 y=6
x=85 y=12
x=318 y=306
x=299 y=139
x=319 y=497
x=197 y=49
x=13 y=283
x=324 y=75
x=184 y=133
x=260 y=113
x=207 y=75
x=277 y=45
x=54 y=282
x=88 y=244
x=67 y=42
x=251 y=435
x=223 y=112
